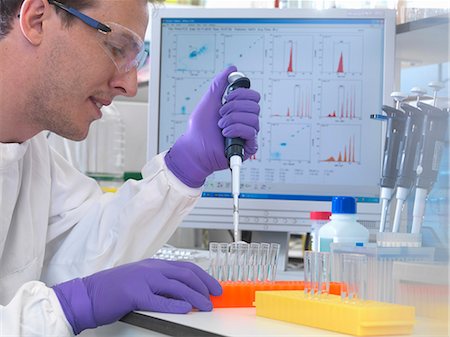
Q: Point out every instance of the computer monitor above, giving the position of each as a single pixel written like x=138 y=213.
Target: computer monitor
x=321 y=74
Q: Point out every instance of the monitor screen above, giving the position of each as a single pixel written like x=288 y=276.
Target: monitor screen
x=321 y=74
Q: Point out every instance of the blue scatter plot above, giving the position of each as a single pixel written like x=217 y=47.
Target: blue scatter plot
x=283 y=144
x=198 y=52
x=275 y=155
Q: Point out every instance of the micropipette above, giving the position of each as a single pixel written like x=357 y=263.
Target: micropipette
x=431 y=149
x=234 y=151
x=396 y=120
x=408 y=159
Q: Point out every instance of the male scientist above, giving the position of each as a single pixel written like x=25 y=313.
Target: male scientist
x=72 y=258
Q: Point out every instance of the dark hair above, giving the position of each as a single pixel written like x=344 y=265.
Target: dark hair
x=9 y=10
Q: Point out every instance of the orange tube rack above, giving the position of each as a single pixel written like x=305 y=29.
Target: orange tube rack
x=238 y=294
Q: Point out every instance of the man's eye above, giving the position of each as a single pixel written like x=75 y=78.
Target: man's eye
x=117 y=52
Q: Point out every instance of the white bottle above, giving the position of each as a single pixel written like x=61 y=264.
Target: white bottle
x=343 y=227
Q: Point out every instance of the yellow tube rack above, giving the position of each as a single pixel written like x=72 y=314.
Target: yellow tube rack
x=358 y=318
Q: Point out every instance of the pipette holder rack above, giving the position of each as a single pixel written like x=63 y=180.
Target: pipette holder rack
x=380 y=266
x=330 y=312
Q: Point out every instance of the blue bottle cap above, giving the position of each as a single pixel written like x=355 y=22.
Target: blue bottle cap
x=343 y=205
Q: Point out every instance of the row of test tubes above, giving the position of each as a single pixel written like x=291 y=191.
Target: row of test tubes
x=350 y=270
x=241 y=261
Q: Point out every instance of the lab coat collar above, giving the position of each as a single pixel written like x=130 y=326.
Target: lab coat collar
x=11 y=153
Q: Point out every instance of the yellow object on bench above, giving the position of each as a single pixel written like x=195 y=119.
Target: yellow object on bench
x=359 y=318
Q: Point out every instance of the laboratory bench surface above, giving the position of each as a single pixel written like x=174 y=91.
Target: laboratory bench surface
x=232 y=322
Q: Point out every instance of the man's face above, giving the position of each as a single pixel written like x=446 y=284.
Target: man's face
x=77 y=75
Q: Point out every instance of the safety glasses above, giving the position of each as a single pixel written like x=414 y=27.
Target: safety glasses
x=125 y=48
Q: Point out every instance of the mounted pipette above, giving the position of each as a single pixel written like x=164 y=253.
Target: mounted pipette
x=408 y=157
x=396 y=120
x=234 y=151
x=432 y=145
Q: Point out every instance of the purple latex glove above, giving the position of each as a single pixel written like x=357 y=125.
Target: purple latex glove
x=201 y=149
x=150 y=285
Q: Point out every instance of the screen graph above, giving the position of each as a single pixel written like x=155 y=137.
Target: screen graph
x=341 y=100
x=289 y=142
x=299 y=104
x=194 y=52
x=343 y=54
x=319 y=81
x=241 y=50
x=293 y=54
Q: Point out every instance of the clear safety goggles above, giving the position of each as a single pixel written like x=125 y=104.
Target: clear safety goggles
x=125 y=48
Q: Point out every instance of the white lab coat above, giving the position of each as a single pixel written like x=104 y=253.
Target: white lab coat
x=56 y=224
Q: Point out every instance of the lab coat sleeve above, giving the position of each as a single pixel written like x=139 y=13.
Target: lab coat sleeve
x=90 y=231
x=34 y=311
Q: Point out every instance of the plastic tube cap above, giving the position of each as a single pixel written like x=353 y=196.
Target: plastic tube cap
x=343 y=205
x=319 y=215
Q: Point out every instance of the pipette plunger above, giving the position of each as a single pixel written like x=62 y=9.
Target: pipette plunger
x=435 y=86
x=398 y=98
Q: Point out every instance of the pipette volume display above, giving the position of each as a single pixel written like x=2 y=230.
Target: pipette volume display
x=234 y=150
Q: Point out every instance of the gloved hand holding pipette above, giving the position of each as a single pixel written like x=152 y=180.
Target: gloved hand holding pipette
x=200 y=150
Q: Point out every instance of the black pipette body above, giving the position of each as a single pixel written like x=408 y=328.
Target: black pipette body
x=395 y=129
x=410 y=152
x=235 y=146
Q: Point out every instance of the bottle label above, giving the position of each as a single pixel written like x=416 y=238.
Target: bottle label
x=324 y=245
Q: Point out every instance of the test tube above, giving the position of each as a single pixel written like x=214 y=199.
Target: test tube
x=355 y=276
x=323 y=272
x=222 y=262
x=242 y=251
x=213 y=259
x=238 y=260
x=273 y=261
x=307 y=271
x=233 y=261
x=253 y=263
x=263 y=261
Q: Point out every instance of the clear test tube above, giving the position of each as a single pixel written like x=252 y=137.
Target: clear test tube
x=263 y=261
x=238 y=261
x=307 y=271
x=325 y=271
x=361 y=276
x=222 y=262
x=274 y=251
x=253 y=261
x=233 y=261
x=345 y=278
x=213 y=259
x=242 y=252
x=355 y=276
x=322 y=260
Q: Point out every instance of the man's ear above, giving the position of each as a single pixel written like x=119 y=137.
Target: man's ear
x=32 y=15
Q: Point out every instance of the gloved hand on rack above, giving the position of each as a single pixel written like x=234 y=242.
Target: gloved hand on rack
x=201 y=149
x=150 y=285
